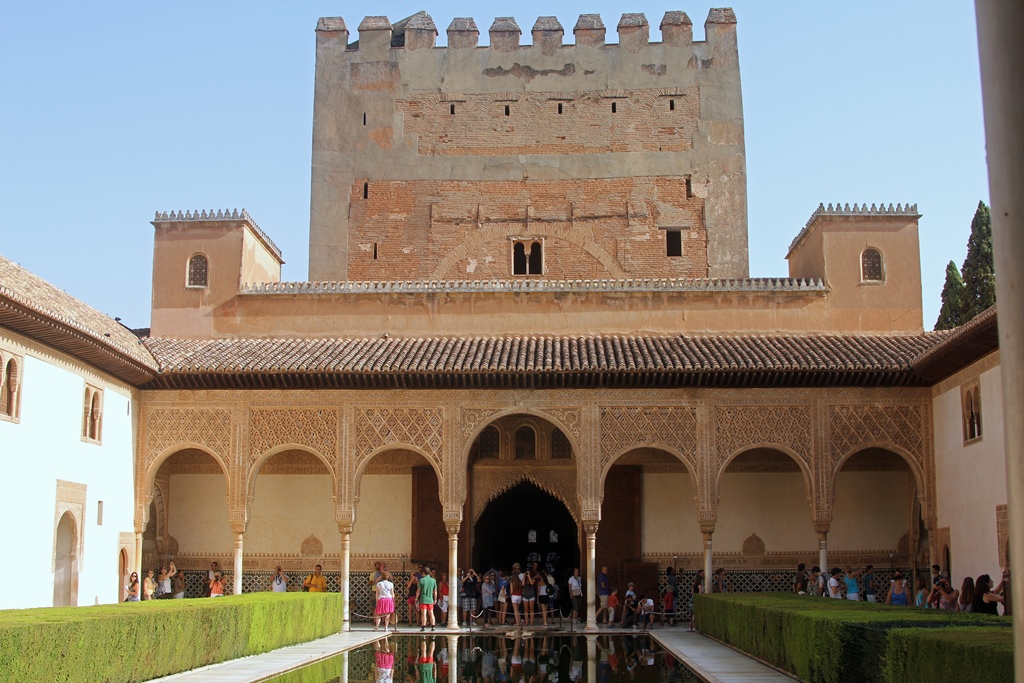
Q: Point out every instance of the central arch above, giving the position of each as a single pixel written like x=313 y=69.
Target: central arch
x=526 y=524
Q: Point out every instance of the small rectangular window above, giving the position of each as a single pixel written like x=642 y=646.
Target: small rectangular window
x=507 y=110
x=689 y=188
x=671 y=105
x=559 y=107
x=673 y=243
x=451 y=108
x=364 y=118
x=613 y=107
x=374 y=251
x=366 y=190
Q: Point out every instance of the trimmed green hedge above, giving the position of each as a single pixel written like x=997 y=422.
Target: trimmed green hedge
x=140 y=641
x=831 y=641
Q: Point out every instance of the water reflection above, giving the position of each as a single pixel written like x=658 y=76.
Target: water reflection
x=502 y=658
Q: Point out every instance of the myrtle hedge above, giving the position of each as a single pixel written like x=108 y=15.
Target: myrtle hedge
x=144 y=640
x=839 y=641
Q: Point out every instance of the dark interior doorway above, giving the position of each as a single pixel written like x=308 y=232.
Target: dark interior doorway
x=526 y=524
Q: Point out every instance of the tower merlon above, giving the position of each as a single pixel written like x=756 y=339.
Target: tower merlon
x=720 y=34
x=462 y=33
x=374 y=37
x=676 y=29
x=415 y=32
x=589 y=30
x=504 y=33
x=634 y=32
x=547 y=34
x=229 y=218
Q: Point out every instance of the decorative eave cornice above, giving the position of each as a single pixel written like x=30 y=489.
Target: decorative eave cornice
x=732 y=285
x=857 y=210
x=959 y=348
x=69 y=337
x=219 y=215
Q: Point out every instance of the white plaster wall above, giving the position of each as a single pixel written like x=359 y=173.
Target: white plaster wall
x=384 y=516
x=286 y=510
x=198 y=514
x=46 y=446
x=971 y=480
x=871 y=510
x=669 y=523
x=772 y=505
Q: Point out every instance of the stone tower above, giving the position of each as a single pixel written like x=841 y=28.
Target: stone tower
x=564 y=161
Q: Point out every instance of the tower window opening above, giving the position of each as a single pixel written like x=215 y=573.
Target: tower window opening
x=673 y=243
x=671 y=105
x=871 y=265
x=451 y=109
x=198 y=271
x=507 y=110
x=613 y=107
x=366 y=190
x=528 y=258
x=689 y=188
x=364 y=118
x=374 y=251
x=559 y=107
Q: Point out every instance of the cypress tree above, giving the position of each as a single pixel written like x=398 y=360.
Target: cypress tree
x=978 y=270
x=952 y=299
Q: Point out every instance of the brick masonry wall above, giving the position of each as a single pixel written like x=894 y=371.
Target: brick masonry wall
x=589 y=228
x=654 y=120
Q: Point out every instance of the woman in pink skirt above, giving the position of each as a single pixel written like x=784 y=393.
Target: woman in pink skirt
x=385 y=601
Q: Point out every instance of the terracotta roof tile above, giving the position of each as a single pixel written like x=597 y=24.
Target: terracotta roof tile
x=31 y=305
x=393 y=361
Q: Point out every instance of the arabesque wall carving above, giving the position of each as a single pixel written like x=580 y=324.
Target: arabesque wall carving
x=422 y=427
x=739 y=427
x=316 y=428
x=209 y=427
x=626 y=427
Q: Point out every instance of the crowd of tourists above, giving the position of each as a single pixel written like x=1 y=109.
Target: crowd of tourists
x=974 y=595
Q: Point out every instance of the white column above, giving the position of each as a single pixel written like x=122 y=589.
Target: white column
x=453 y=588
x=1000 y=26
x=823 y=550
x=237 y=578
x=708 y=564
x=591 y=530
x=346 y=556
x=453 y=658
x=344 y=666
x=591 y=659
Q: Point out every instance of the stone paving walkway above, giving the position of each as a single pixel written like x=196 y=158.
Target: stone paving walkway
x=712 y=661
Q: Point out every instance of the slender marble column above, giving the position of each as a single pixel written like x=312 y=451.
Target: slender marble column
x=453 y=572
x=708 y=564
x=237 y=578
x=823 y=550
x=346 y=560
x=453 y=659
x=591 y=530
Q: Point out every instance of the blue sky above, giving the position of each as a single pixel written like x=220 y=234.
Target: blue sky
x=111 y=111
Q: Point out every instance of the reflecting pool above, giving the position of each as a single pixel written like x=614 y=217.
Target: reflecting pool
x=497 y=658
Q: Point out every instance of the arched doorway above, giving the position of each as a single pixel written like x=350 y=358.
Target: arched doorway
x=65 y=563
x=526 y=524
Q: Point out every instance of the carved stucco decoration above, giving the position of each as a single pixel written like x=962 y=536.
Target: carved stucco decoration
x=311 y=547
x=315 y=428
x=491 y=482
x=420 y=427
x=209 y=427
x=626 y=427
x=753 y=546
x=855 y=426
x=740 y=427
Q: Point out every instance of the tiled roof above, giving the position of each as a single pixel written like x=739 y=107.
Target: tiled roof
x=32 y=306
x=544 y=361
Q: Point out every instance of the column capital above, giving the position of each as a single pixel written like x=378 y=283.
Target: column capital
x=590 y=527
x=344 y=527
x=453 y=527
x=822 y=527
x=237 y=527
x=707 y=529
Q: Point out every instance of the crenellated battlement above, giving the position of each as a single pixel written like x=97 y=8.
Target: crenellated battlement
x=218 y=215
x=857 y=210
x=419 y=31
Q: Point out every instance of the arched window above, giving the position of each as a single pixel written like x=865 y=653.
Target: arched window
x=488 y=444
x=871 y=266
x=526 y=444
x=198 y=271
x=528 y=258
x=9 y=388
x=561 y=449
x=519 y=259
x=972 y=413
x=92 y=414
